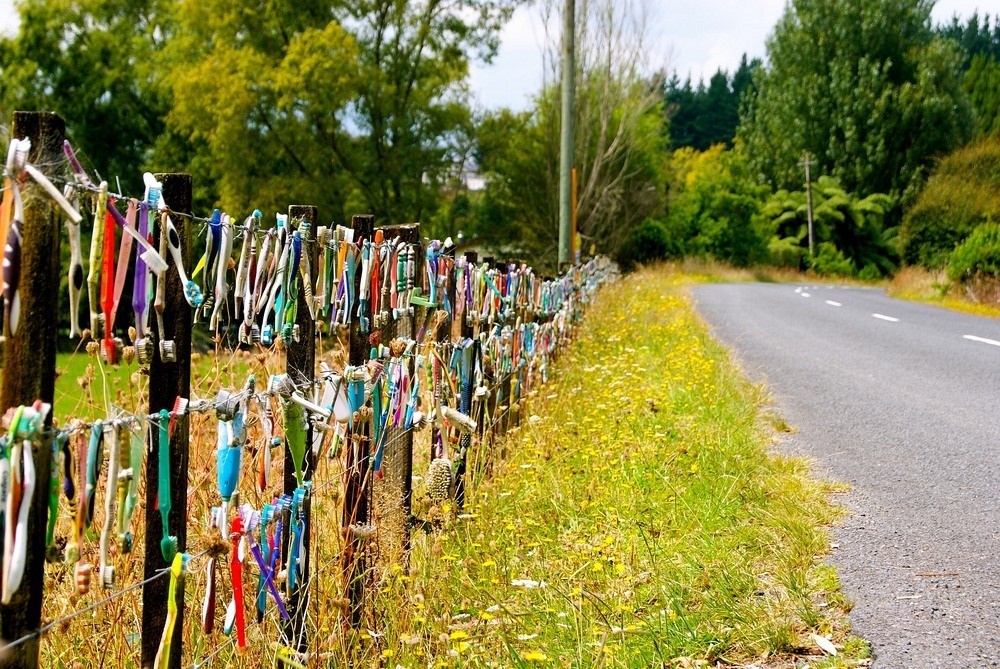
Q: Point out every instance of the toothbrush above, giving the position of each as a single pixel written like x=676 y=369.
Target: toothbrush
x=74 y=277
x=229 y=457
x=139 y=303
x=178 y=568
x=11 y=272
x=108 y=287
x=58 y=445
x=168 y=544
x=125 y=538
x=236 y=568
x=107 y=570
x=251 y=518
x=95 y=460
x=81 y=570
x=239 y=294
x=96 y=248
x=208 y=605
x=192 y=293
x=14 y=564
x=124 y=480
x=295 y=435
x=124 y=255
x=221 y=287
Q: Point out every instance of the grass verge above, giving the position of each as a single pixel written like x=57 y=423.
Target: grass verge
x=640 y=519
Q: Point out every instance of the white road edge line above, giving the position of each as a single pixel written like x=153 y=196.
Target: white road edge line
x=834 y=304
x=981 y=340
x=886 y=318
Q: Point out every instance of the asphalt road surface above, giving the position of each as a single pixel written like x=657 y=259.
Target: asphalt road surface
x=902 y=402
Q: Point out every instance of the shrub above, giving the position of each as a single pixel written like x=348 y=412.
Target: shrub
x=961 y=195
x=978 y=257
x=785 y=252
x=830 y=260
x=646 y=243
x=870 y=273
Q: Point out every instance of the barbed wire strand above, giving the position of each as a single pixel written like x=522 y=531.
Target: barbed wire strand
x=44 y=629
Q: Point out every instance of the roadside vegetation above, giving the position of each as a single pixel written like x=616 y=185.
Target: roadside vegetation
x=643 y=517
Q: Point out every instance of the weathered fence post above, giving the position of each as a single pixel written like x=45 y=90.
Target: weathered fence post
x=300 y=365
x=465 y=406
x=393 y=492
x=29 y=369
x=167 y=381
x=357 y=466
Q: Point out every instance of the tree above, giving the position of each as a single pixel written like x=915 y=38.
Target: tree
x=702 y=117
x=852 y=226
x=255 y=88
x=862 y=85
x=980 y=45
x=982 y=83
x=411 y=112
x=620 y=144
x=974 y=37
x=714 y=206
x=95 y=63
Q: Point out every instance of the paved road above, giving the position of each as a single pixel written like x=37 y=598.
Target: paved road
x=901 y=401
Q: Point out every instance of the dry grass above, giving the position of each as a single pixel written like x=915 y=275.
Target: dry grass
x=919 y=284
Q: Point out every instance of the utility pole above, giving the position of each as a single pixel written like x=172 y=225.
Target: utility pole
x=806 y=163
x=566 y=143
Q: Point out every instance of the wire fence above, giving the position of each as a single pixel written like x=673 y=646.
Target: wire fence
x=421 y=341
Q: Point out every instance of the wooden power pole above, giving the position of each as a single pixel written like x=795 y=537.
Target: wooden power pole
x=806 y=163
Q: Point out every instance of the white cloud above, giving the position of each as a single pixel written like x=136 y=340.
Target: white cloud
x=9 y=18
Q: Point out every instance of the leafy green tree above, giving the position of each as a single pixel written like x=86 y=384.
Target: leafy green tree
x=978 y=257
x=714 y=207
x=975 y=37
x=256 y=88
x=411 y=108
x=95 y=63
x=982 y=83
x=647 y=243
x=980 y=45
x=862 y=85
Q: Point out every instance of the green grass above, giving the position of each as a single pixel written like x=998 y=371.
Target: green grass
x=643 y=502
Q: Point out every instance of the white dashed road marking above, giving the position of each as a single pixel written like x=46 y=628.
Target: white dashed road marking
x=992 y=342
x=886 y=318
x=805 y=294
x=834 y=304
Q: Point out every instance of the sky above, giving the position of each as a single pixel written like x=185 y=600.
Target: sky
x=693 y=37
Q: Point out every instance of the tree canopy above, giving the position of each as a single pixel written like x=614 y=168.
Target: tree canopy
x=704 y=116
x=865 y=87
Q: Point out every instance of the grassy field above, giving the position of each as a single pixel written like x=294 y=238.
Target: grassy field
x=642 y=519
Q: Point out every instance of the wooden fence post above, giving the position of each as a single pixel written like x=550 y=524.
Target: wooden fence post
x=354 y=563
x=30 y=366
x=393 y=493
x=465 y=406
x=167 y=381
x=300 y=365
